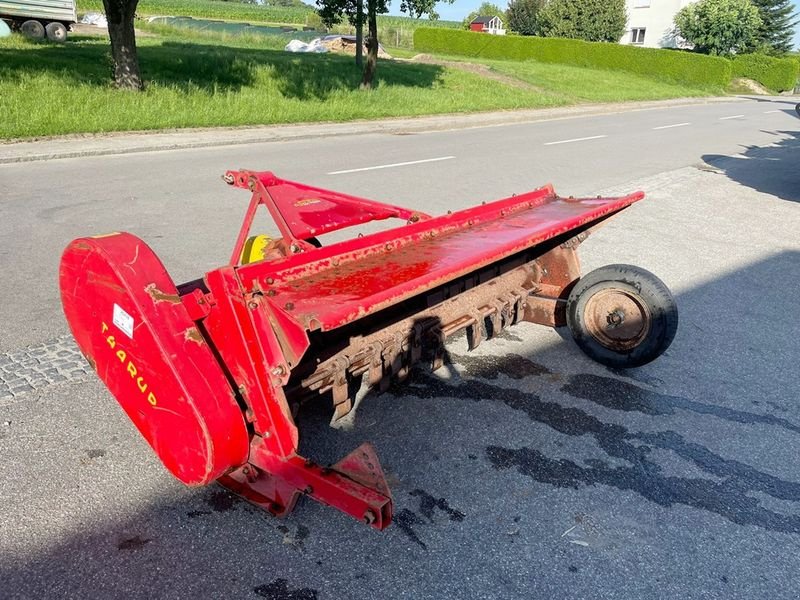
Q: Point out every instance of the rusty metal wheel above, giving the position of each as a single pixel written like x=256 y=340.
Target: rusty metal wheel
x=622 y=316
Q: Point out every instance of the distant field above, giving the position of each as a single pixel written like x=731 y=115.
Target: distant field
x=237 y=11
x=213 y=9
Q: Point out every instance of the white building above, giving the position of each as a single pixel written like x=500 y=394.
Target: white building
x=490 y=24
x=651 y=22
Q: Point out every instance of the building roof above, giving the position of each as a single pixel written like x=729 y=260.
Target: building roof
x=483 y=20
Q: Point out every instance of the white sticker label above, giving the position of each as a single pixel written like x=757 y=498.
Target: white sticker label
x=123 y=320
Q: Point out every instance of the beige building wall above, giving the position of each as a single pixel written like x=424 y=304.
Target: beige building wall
x=655 y=17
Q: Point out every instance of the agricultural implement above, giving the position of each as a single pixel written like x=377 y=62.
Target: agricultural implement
x=213 y=372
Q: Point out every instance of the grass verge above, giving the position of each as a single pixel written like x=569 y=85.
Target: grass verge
x=199 y=79
x=48 y=89
x=590 y=85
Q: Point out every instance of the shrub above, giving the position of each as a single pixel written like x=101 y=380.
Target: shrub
x=591 y=20
x=778 y=74
x=719 y=27
x=522 y=16
x=667 y=65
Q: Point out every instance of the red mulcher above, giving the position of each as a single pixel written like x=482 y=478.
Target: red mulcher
x=211 y=372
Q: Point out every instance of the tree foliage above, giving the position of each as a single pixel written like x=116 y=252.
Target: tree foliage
x=487 y=9
x=591 y=20
x=523 y=16
x=778 y=21
x=334 y=11
x=719 y=27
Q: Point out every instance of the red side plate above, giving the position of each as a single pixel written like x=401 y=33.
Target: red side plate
x=129 y=322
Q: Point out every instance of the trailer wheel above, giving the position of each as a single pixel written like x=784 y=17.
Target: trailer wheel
x=56 y=32
x=622 y=316
x=32 y=29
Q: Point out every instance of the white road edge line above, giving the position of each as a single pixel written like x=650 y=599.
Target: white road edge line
x=591 y=137
x=731 y=117
x=400 y=164
x=671 y=126
x=766 y=112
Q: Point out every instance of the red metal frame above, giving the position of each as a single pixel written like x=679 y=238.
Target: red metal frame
x=231 y=356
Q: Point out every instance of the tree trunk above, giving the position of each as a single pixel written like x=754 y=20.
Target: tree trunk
x=123 y=43
x=360 y=33
x=372 y=46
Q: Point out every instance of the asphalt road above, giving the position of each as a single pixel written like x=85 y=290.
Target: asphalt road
x=522 y=471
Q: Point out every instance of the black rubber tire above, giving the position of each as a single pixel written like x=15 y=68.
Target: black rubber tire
x=32 y=29
x=56 y=32
x=797 y=109
x=639 y=288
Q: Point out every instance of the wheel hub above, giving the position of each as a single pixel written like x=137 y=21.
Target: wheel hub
x=617 y=319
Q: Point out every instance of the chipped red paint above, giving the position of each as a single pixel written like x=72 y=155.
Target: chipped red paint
x=212 y=374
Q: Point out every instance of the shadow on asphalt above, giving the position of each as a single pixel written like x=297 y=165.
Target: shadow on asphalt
x=119 y=558
x=769 y=100
x=772 y=170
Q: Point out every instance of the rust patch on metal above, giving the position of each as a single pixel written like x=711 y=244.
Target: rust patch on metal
x=617 y=319
x=192 y=334
x=160 y=296
x=106 y=282
x=390 y=352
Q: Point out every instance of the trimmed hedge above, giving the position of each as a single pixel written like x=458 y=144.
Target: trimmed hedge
x=778 y=74
x=667 y=65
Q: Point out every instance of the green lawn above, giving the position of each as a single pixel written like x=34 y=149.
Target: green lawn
x=594 y=85
x=49 y=89
x=210 y=80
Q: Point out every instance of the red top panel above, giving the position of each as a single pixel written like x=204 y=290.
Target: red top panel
x=332 y=286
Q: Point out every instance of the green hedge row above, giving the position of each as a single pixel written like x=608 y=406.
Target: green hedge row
x=668 y=65
x=778 y=74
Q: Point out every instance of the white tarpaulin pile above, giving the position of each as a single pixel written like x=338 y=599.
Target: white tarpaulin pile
x=94 y=18
x=315 y=45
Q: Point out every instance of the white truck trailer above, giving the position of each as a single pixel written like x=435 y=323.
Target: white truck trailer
x=39 y=18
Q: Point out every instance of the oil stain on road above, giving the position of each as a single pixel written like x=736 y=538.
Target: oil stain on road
x=728 y=492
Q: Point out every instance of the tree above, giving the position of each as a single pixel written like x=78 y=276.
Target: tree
x=777 y=26
x=523 y=16
x=119 y=14
x=487 y=9
x=334 y=11
x=591 y=20
x=719 y=27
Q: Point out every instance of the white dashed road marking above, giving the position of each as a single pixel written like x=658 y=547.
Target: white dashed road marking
x=591 y=137
x=400 y=164
x=671 y=126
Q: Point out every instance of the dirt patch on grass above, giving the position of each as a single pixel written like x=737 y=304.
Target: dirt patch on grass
x=748 y=86
x=93 y=30
x=477 y=69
